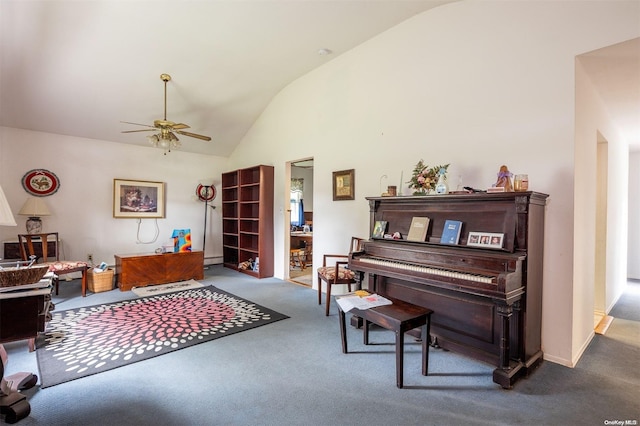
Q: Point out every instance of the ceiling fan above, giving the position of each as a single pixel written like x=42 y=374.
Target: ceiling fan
x=166 y=138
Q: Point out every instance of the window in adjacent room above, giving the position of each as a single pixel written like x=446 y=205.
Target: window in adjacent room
x=297 y=207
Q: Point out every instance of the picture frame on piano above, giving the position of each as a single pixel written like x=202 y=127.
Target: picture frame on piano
x=485 y=239
x=379 y=229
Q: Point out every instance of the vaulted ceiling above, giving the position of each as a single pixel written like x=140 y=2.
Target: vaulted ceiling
x=615 y=73
x=80 y=68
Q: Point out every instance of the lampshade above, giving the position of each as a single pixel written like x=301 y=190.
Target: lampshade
x=34 y=207
x=6 y=216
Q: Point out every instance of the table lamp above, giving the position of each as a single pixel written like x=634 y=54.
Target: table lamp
x=34 y=208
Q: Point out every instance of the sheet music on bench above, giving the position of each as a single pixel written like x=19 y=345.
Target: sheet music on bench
x=487 y=301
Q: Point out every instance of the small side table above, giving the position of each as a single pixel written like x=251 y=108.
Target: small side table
x=23 y=314
x=399 y=317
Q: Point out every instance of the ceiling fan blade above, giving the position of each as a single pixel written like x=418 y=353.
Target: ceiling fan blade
x=179 y=126
x=194 y=135
x=137 y=124
x=135 y=131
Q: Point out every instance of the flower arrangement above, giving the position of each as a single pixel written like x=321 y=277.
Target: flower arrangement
x=425 y=178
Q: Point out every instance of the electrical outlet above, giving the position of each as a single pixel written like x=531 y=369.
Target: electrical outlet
x=90 y=258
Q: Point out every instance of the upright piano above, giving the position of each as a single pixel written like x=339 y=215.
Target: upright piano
x=487 y=299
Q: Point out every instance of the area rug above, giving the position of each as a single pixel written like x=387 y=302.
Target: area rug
x=152 y=290
x=90 y=340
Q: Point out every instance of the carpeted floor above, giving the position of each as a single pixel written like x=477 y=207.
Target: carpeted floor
x=293 y=373
x=90 y=340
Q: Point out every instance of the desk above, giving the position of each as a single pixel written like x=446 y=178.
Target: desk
x=301 y=241
x=12 y=249
x=139 y=270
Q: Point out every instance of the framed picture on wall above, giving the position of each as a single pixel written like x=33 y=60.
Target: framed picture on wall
x=138 y=199
x=344 y=185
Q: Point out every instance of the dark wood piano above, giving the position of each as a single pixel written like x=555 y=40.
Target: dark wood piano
x=487 y=302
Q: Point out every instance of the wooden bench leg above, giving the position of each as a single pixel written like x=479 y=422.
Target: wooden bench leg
x=343 y=330
x=399 y=357
x=365 y=332
x=426 y=331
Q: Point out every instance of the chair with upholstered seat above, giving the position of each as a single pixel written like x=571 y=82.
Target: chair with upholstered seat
x=57 y=266
x=297 y=258
x=334 y=271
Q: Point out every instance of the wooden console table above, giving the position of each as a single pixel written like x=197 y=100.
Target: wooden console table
x=138 y=270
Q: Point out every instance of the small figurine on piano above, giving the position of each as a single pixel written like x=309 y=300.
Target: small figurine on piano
x=504 y=180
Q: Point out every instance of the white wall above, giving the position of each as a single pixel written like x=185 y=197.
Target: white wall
x=593 y=125
x=633 y=264
x=474 y=84
x=82 y=209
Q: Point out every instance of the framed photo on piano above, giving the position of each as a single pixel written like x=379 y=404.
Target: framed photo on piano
x=379 y=229
x=485 y=239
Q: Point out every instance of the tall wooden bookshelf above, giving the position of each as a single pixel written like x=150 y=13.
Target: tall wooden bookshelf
x=247 y=219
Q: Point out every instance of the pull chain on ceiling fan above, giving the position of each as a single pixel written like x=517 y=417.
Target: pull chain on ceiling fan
x=166 y=139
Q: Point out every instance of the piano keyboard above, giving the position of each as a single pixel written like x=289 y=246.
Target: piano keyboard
x=428 y=270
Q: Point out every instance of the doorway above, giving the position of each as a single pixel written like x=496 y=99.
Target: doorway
x=299 y=222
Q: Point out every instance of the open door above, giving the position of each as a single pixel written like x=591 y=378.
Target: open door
x=299 y=222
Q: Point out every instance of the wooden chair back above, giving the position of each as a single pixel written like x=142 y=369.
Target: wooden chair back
x=335 y=270
x=28 y=248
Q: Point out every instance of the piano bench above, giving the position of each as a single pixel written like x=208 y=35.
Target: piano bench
x=399 y=317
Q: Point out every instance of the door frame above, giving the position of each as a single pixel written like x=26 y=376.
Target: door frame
x=287 y=216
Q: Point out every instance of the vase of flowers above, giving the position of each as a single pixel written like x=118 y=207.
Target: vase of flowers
x=424 y=178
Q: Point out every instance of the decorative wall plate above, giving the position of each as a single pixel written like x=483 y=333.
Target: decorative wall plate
x=206 y=193
x=40 y=182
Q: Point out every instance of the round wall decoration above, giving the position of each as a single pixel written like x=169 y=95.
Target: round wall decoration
x=40 y=182
x=206 y=193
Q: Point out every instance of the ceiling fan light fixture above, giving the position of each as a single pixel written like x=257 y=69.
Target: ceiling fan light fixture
x=164 y=140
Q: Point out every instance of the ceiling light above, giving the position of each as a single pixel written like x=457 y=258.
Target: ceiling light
x=165 y=140
x=324 y=52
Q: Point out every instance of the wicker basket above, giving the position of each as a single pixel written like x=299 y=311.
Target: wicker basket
x=14 y=276
x=100 y=281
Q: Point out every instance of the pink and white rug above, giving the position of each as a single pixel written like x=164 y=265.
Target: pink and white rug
x=90 y=340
